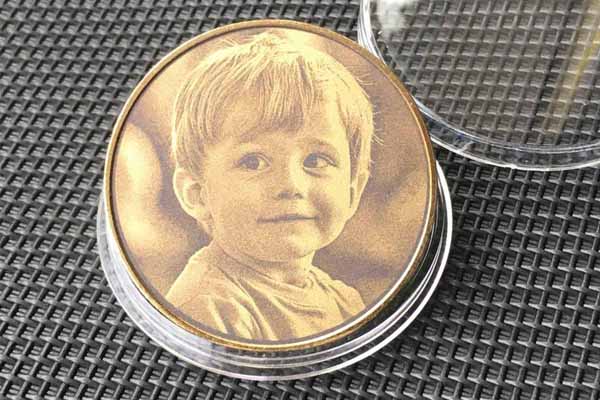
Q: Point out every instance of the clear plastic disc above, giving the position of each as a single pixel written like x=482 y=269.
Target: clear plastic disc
x=507 y=82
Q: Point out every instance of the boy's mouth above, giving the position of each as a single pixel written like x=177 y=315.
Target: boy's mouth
x=285 y=218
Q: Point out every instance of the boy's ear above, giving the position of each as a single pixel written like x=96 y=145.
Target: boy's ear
x=356 y=190
x=191 y=196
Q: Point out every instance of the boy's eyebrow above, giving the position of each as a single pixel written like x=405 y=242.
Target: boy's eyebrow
x=319 y=142
x=250 y=135
x=247 y=136
x=323 y=143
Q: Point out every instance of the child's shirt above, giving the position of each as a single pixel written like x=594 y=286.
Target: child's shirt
x=221 y=293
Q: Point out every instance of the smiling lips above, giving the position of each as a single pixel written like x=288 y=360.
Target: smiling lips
x=285 y=218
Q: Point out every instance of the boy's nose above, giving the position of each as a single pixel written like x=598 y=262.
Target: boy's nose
x=291 y=183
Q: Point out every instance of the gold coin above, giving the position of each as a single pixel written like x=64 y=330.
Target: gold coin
x=270 y=186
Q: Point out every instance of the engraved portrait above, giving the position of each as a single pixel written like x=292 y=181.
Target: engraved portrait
x=270 y=186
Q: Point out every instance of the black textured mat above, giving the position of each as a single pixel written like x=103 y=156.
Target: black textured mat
x=516 y=315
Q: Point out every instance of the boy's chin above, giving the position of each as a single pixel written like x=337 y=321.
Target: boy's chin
x=284 y=252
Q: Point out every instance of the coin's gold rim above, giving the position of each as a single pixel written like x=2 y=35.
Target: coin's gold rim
x=367 y=315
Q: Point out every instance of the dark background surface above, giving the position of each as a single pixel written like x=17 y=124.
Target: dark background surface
x=515 y=316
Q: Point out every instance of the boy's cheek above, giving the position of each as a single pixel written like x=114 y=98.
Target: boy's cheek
x=337 y=197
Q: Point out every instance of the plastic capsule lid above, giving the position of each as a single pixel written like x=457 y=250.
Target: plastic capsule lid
x=511 y=83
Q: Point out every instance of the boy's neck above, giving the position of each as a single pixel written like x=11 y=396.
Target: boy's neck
x=294 y=272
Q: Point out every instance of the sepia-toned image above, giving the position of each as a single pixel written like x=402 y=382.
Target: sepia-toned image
x=270 y=186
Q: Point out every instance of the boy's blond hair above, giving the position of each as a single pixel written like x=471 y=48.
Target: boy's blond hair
x=285 y=81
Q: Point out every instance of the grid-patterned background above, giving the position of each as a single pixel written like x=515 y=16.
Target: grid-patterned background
x=515 y=316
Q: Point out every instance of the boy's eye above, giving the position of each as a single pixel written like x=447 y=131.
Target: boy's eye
x=253 y=162
x=316 y=160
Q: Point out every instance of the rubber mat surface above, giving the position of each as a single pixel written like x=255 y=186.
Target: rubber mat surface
x=515 y=316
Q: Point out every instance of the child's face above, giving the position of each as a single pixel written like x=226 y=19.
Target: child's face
x=278 y=196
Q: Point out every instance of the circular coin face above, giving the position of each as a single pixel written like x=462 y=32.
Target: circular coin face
x=270 y=186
